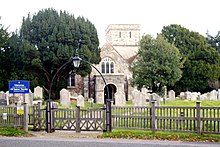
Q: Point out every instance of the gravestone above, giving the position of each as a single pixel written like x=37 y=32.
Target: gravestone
x=212 y=95
x=120 y=98
x=188 y=95
x=7 y=97
x=38 y=92
x=80 y=101
x=64 y=97
x=144 y=90
x=204 y=96
x=218 y=95
x=2 y=95
x=195 y=96
x=3 y=102
x=172 y=95
x=155 y=97
x=182 y=95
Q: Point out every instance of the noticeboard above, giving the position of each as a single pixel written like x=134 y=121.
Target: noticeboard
x=19 y=86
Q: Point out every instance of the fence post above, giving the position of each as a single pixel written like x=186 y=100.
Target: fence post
x=25 y=128
x=48 y=117
x=15 y=116
x=199 y=128
x=108 y=115
x=39 y=107
x=153 y=116
x=78 y=119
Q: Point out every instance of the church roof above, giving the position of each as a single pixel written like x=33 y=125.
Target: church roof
x=126 y=52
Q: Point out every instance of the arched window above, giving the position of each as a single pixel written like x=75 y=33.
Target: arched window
x=71 y=80
x=107 y=66
x=103 y=67
x=112 y=67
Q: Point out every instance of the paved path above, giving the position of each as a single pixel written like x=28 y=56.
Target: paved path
x=89 y=139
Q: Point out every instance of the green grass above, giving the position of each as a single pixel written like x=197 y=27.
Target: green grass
x=11 y=131
x=181 y=102
x=148 y=135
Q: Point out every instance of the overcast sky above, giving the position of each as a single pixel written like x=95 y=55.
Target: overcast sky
x=152 y=15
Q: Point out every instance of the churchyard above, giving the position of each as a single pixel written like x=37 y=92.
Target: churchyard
x=187 y=112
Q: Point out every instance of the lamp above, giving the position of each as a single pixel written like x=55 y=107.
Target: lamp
x=76 y=61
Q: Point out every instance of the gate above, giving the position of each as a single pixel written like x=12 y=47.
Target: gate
x=93 y=119
x=79 y=119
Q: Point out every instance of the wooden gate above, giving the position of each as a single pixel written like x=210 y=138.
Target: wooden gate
x=71 y=119
x=79 y=119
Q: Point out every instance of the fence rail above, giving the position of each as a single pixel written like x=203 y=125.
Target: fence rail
x=168 y=118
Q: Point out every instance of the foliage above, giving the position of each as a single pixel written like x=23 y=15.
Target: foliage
x=147 y=135
x=158 y=64
x=202 y=62
x=214 y=41
x=183 y=102
x=50 y=39
x=3 y=39
x=11 y=131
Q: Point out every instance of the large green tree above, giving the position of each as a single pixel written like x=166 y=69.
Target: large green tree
x=158 y=64
x=55 y=36
x=201 y=60
x=214 y=41
x=4 y=36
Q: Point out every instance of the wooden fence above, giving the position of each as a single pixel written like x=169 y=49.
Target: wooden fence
x=168 y=118
x=9 y=117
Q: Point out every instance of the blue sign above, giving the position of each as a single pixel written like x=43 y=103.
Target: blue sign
x=19 y=86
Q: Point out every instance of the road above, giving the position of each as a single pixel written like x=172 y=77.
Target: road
x=94 y=142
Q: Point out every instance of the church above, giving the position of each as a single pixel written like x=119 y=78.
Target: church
x=118 y=52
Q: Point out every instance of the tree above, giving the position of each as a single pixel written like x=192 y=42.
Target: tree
x=4 y=36
x=158 y=64
x=201 y=60
x=214 y=41
x=55 y=37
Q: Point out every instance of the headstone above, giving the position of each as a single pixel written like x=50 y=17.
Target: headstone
x=195 y=96
x=144 y=90
x=182 y=95
x=38 y=92
x=188 y=95
x=7 y=97
x=156 y=98
x=64 y=97
x=218 y=95
x=2 y=95
x=80 y=101
x=212 y=95
x=172 y=95
x=120 y=98
x=3 y=102
x=204 y=96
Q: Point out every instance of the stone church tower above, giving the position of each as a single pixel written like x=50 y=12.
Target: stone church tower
x=117 y=54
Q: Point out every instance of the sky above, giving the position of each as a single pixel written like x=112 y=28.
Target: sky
x=152 y=15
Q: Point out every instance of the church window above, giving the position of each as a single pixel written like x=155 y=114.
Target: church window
x=112 y=67
x=107 y=66
x=103 y=67
x=71 y=80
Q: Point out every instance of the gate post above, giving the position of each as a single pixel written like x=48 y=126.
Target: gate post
x=25 y=117
x=153 y=116
x=39 y=107
x=49 y=118
x=108 y=115
x=198 y=117
x=78 y=119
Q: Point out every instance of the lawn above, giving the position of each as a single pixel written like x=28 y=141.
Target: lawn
x=148 y=135
x=11 y=131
